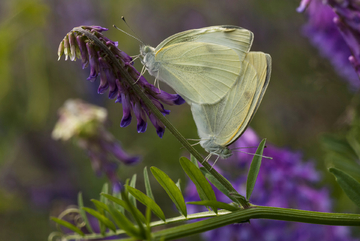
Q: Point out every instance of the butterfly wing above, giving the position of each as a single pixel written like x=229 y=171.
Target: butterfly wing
x=222 y=123
x=236 y=38
x=199 y=72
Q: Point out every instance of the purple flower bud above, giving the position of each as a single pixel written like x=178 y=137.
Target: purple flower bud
x=160 y=127
x=140 y=117
x=84 y=54
x=96 y=28
x=126 y=119
x=93 y=58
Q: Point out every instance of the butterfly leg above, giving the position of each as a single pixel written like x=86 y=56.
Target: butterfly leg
x=206 y=158
x=143 y=70
x=215 y=162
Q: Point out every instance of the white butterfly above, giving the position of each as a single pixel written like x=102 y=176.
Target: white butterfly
x=222 y=123
x=201 y=65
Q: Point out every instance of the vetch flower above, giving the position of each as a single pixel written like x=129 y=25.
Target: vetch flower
x=85 y=123
x=77 y=45
x=334 y=28
x=285 y=181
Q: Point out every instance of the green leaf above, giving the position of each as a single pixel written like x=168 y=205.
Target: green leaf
x=124 y=205
x=100 y=206
x=147 y=184
x=105 y=189
x=124 y=223
x=171 y=189
x=83 y=213
x=254 y=169
x=119 y=207
x=193 y=160
x=218 y=184
x=134 y=212
x=107 y=222
x=141 y=197
x=348 y=184
x=203 y=187
x=133 y=184
x=219 y=205
x=67 y=225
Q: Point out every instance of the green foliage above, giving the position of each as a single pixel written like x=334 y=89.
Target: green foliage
x=118 y=213
x=202 y=185
x=347 y=183
x=171 y=189
x=254 y=169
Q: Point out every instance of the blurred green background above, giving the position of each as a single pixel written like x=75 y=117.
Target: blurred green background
x=40 y=177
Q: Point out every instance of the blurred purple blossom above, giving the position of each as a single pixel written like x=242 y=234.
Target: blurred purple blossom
x=334 y=28
x=85 y=123
x=285 y=181
x=75 y=45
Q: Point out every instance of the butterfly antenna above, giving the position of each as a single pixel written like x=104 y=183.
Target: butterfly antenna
x=129 y=34
x=214 y=163
x=243 y=147
x=254 y=154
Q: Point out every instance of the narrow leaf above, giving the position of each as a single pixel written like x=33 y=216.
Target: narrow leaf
x=67 y=225
x=254 y=169
x=83 y=213
x=124 y=205
x=133 y=184
x=171 y=189
x=203 y=187
x=141 y=197
x=218 y=184
x=100 y=206
x=107 y=222
x=147 y=184
x=124 y=223
x=135 y=212
x=348 y=184
x=219 y=205
x=193 y=160
x=119 y=207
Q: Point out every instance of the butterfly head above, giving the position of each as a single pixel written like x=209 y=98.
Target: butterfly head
x=145 y=49
x=210 y=146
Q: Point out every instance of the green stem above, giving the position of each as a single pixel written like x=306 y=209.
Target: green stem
x=126 y=77
x=226 y=217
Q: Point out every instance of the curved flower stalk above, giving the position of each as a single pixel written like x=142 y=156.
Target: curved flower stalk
x=285 y=181
x=85 y=123
x=333 y=27
x=76 y=45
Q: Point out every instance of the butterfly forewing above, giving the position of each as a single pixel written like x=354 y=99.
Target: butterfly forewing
x=199 y=72
x=236 y=38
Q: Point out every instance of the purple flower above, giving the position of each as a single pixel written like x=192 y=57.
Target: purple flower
x=85 y=123
x=75 y=45
x=334 y=28
x=285 y=181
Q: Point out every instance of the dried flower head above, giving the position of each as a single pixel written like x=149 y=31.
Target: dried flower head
x=85 y=123
x=77 y=45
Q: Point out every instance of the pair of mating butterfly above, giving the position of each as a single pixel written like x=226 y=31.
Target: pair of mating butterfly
x=213 y=70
